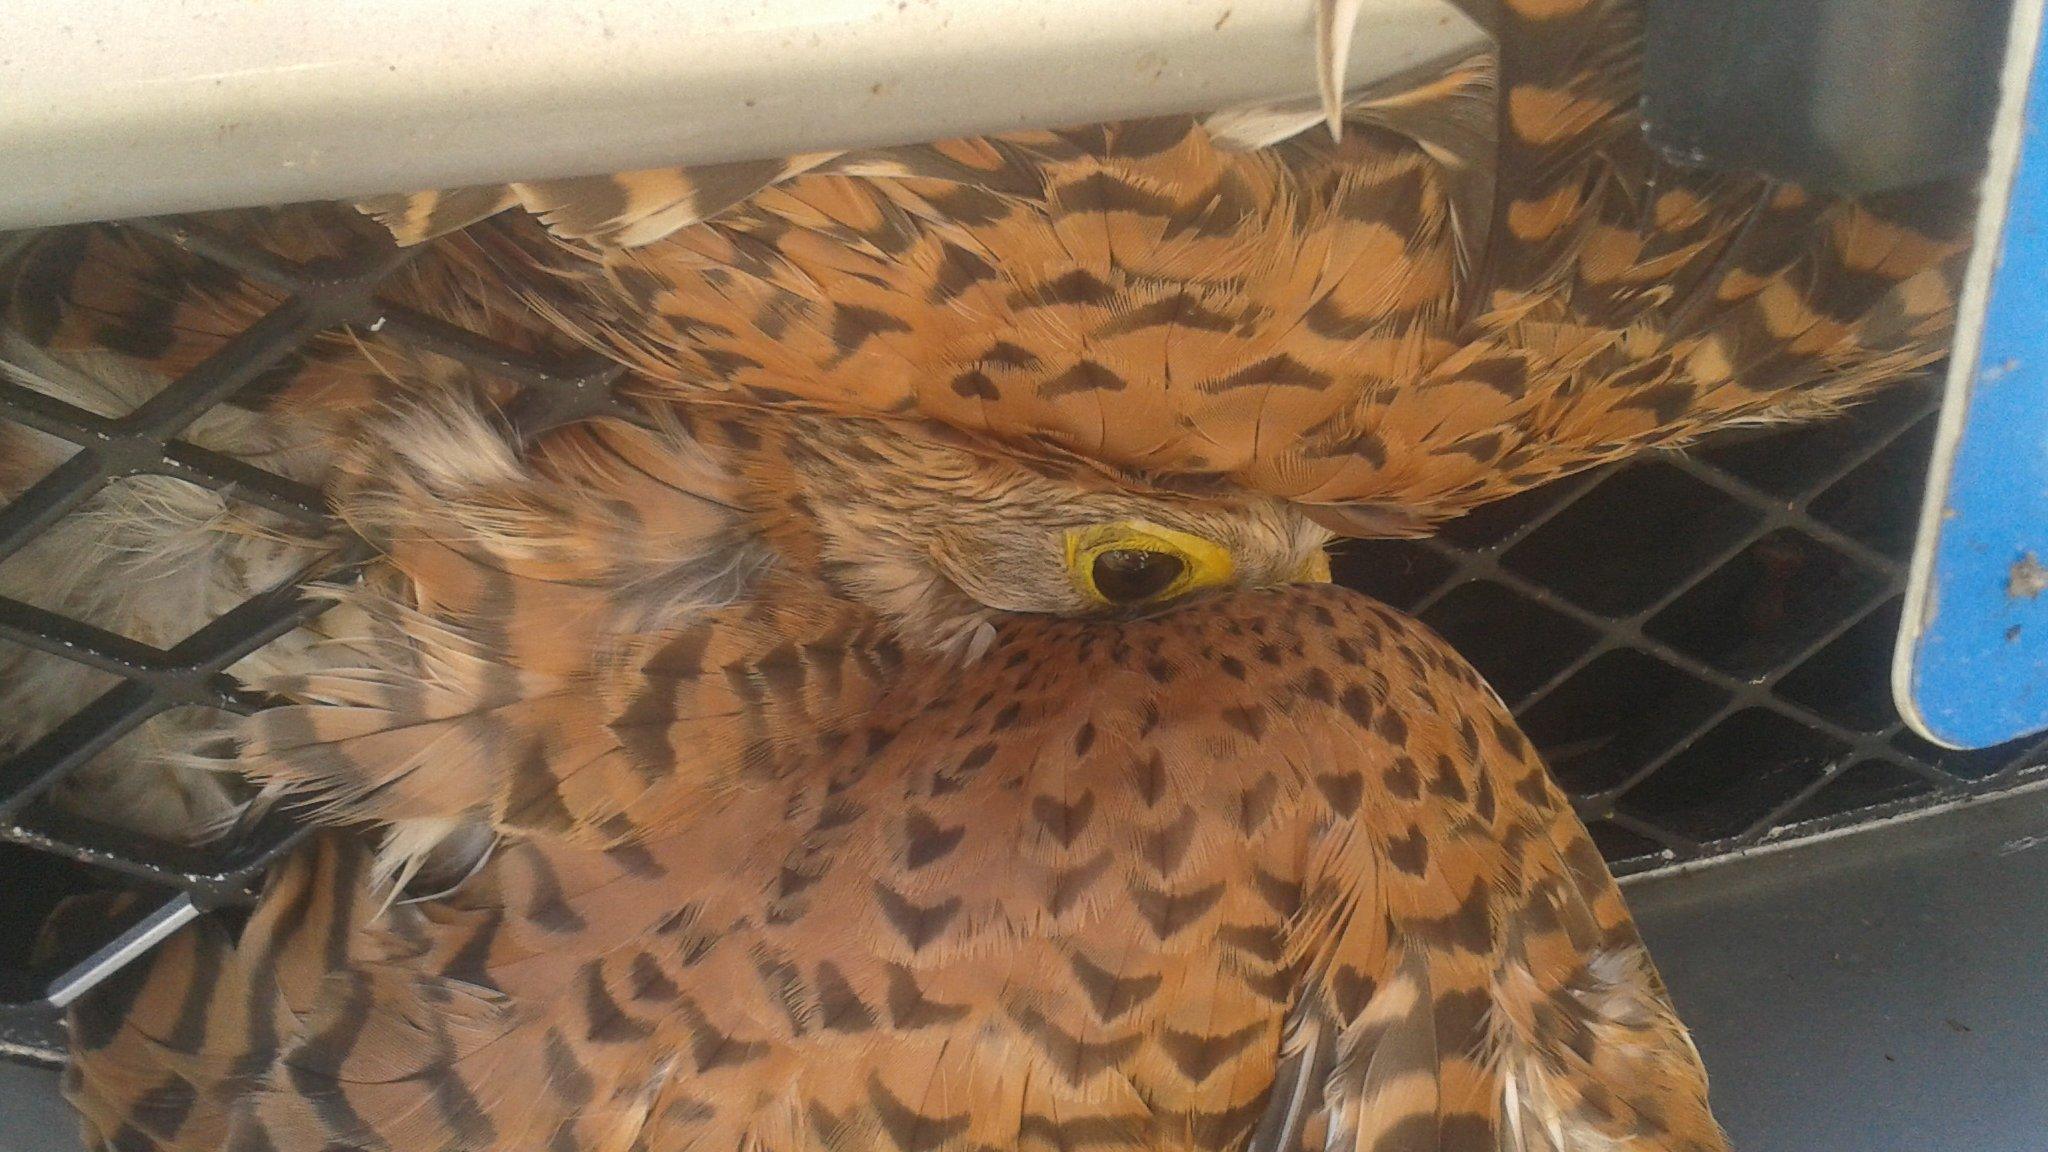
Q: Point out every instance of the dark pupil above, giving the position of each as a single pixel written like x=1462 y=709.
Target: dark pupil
x=1135 y=575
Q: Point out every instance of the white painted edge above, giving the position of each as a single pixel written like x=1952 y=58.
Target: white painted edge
x=2007 y=134
x=120 y=108
x=1795 y=842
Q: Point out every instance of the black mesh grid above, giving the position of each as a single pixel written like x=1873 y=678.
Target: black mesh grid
x=46 y=855
x=1698 y=643
x=1701 y=644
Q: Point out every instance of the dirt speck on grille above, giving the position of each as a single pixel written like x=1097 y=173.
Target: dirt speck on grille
x=2027 y=579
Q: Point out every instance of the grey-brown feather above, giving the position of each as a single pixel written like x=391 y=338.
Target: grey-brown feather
x=150 y=558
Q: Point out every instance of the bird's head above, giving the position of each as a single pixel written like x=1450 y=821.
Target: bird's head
x=943 y=537
x=632 y=526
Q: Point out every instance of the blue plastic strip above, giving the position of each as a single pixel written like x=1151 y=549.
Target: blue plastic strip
x=1972 y=668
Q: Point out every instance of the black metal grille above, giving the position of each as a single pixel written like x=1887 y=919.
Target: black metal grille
x=1701 y=644
x=1698 y=643
x=46 y=855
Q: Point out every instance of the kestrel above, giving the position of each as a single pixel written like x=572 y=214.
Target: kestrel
x=913 y=720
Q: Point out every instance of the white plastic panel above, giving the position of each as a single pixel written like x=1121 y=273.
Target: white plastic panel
x=116 y=108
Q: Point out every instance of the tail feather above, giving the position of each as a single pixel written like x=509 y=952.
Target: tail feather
x=330 y=1020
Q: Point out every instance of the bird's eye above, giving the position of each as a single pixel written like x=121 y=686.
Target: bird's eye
x=1134 y=575
x=1132 y=563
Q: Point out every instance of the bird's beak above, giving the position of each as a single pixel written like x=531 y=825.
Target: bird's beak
x=1315 y=569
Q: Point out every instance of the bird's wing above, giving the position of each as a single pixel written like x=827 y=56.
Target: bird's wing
x=1152 y=295
x=631 y=209
x=161 y=304
x=1488 y=282
x=131 y=295
x=1625 y=302
x=328 y=1020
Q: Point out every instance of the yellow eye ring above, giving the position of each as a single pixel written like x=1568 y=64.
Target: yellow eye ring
x=1111 y=563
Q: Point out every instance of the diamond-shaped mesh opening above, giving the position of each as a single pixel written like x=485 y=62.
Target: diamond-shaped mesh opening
x=1492 y=523
x=38 y=885
x=166 y=809
x=1877 y=505
x=1515 y=643
x=1773 y=600
x=87 y=446
x=1698 y=644
x=1971 y=764
x=1618 y=548
x=1849 y=680
x=1865 y=785
x=1599 y=727
x=1398 y=572
x=1736 y=775
x=1619 y=843
x=27 y=456
x=171 y=532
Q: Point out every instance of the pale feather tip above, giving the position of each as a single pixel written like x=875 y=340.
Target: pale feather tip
x=1336 y=20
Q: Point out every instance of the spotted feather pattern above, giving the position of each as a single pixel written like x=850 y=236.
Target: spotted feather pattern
x=1090 y=892
x=816 y=822
x=1270 y=869
x=1487 y=282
